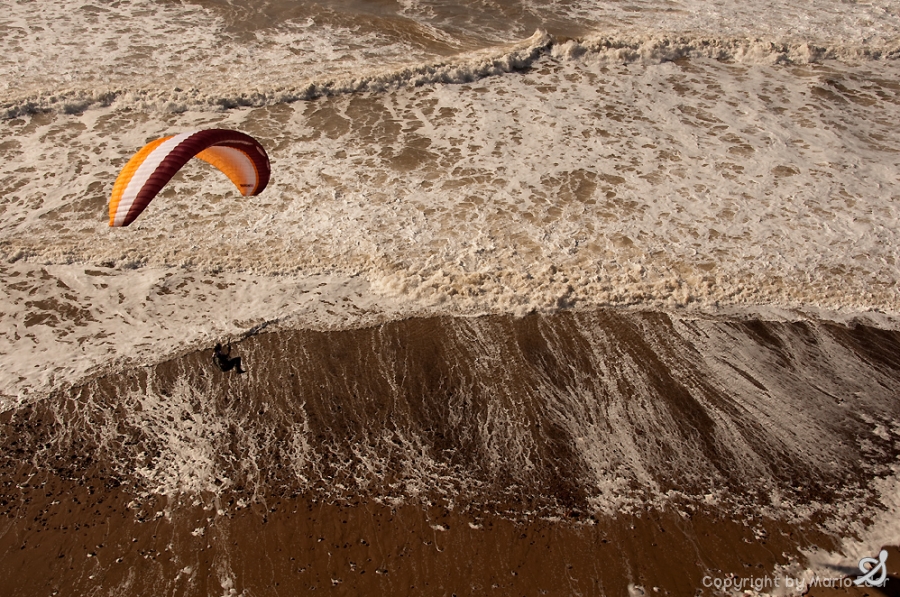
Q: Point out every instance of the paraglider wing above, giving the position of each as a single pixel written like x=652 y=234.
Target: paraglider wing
x=241 y=157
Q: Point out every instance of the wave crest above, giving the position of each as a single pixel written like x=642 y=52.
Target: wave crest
x=460 y=69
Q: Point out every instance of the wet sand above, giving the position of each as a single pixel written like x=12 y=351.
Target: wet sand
x=457 y=456
x=92 y=543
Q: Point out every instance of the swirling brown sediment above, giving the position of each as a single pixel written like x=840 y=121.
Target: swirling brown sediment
x=453 y=454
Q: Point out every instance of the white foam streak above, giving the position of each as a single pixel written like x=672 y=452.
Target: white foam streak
x=188 y=441
x=269 y=90
x=664 y=48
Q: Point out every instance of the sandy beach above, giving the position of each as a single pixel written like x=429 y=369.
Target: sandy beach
x=460 y=456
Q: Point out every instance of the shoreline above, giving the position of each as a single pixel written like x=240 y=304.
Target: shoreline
x=89 y=321
x=300 y=544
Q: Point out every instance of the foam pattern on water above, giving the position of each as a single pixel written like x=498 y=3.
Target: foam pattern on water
x=575 y=183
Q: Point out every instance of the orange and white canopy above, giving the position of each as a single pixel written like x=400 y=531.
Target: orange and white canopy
x=241 y=157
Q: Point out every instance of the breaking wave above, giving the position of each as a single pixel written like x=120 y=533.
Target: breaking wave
x=465 y=68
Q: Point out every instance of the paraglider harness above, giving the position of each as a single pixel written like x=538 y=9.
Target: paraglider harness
x=223 y=359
